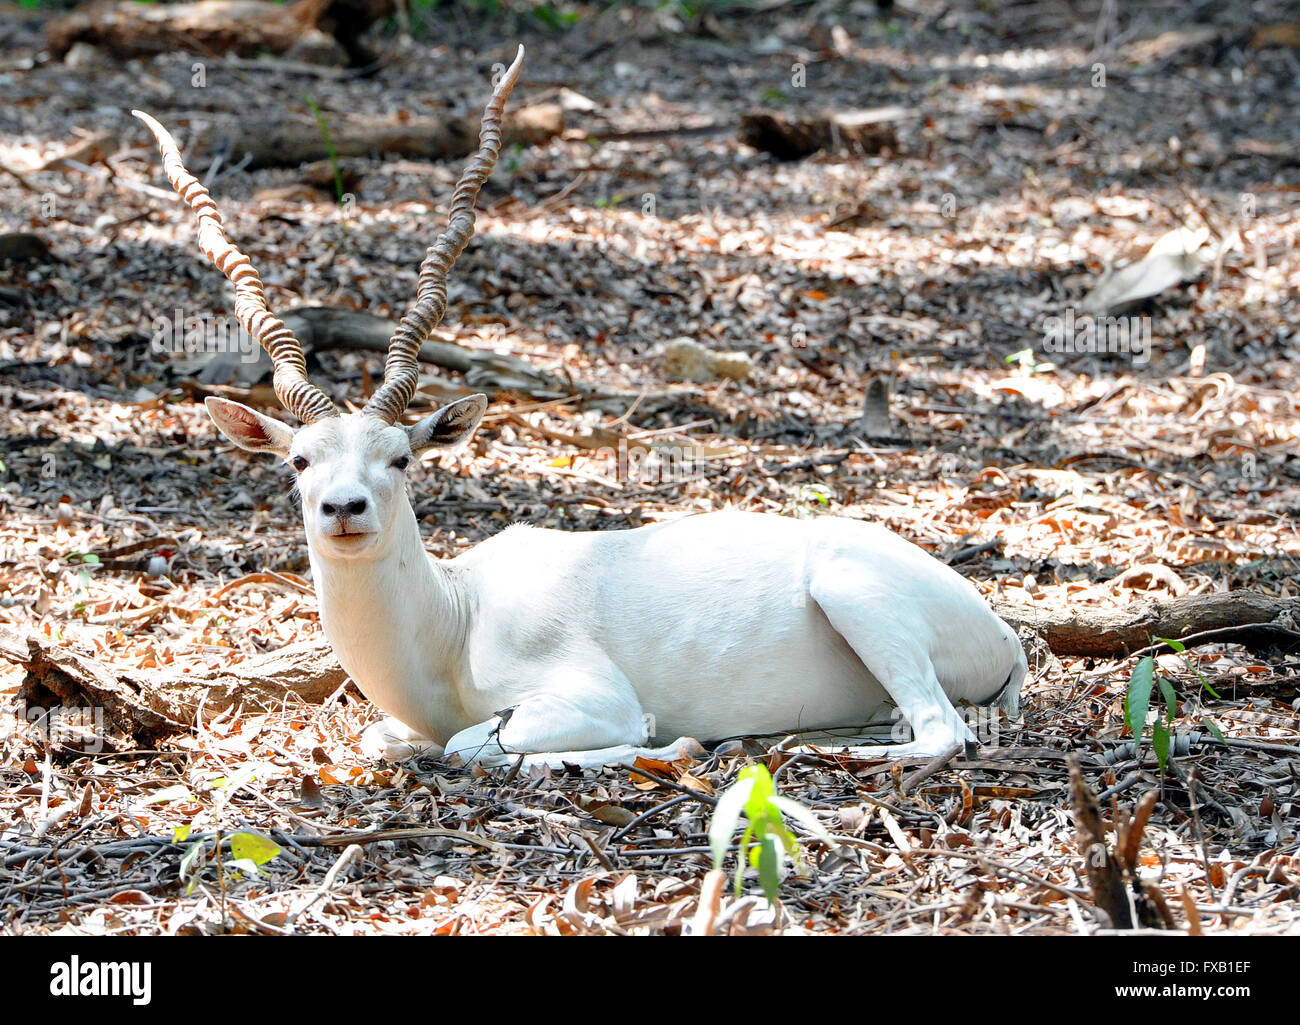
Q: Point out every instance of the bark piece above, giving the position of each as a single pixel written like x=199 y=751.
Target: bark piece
x=791 y=137
x=1118 y=893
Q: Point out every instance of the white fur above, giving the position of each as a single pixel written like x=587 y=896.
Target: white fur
x=712 y=626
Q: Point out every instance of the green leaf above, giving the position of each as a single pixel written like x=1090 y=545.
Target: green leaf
x=1171 y=698
x=754 y=793
x=805 y=817
x=725 y=817
x=1160 y=741
x=769 y=866
x=762 y=791
x=182 y=833
x=1206 y=684
x=253 y=847
x=90 y=560
x=330 y=151
x=1178 y=646
x=1213 y=728
x=1138 y=699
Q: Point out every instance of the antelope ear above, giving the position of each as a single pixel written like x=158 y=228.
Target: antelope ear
x=249 y=429
x=449 y=426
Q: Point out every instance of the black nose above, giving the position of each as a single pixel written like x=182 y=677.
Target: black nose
x=352 y=507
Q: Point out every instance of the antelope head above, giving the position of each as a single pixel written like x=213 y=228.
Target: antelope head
x=350 y=467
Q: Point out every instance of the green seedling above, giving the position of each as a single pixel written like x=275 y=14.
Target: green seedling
x=767 y=840
x=1137 y=703
x=1206 y=721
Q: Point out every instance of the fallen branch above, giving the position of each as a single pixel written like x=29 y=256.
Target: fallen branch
x=327 y=327
x=290 y=143
x=321 y=327
x=1257 y=621
x=323 y=30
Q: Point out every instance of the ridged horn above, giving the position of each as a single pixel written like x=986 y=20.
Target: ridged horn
x=298 y=395
x=401 y=370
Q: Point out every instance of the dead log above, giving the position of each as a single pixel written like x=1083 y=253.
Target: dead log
x=245 y=28
x=140 y=706
x=324 y=327
x=1257 y=621
x=792 y=137
x=290 y=143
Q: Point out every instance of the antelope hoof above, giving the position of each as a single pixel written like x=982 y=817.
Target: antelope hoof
x=479 y=744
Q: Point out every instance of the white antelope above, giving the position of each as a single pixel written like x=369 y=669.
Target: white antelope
x=581 y=647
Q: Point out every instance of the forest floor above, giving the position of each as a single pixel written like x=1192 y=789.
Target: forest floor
x=1033 y=157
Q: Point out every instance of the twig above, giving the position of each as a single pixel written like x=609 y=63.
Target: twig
x=966 y=554
x=351 y=852
x=1206 y=635
x=657 y=809
x=1192 y=780
x=1127 y=783
x=590 y=841
x=931 y=767
x=19 y=178
x=406 y=833
x=554 y=200
x=671 y=784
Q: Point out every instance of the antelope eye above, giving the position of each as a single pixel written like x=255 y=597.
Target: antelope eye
x=401 y=462
x=298 y=463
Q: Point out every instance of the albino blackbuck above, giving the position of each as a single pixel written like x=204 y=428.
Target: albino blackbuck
x=584 y=647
